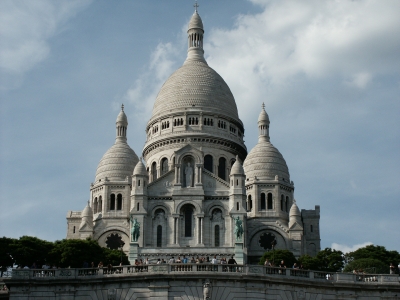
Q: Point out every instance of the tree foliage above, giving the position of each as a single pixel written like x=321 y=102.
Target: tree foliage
x=277 y=256
x=309 y=263
x=6 y=259
x=374 y=252
x=330 y=260
x=367 y=265
x=30 y=251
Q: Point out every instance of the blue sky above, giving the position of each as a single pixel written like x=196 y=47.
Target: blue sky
x=328 y=72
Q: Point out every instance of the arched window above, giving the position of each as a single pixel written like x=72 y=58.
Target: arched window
x=282 y=200
x=138 y=182
x=154 y=170
x=287 y=204
x=263 y=206
x=311 y=228
x=216 y=236
x=95 y=206
x=250 y=205
x=100 y=205
x=119 y=202
x=221 y=168
x=208 y=163
x=269 y=201
x=188 y=215
x=112 y=202
x=159 y=236
x=164 y=166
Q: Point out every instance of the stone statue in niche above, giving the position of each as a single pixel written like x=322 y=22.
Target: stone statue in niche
x=207 y=290
x=238 y=228
x=188 y=175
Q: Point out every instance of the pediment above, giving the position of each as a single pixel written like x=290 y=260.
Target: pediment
x=214 y=185
x=85 y=226
x=296 y=226
x=162 y=186
x=189 y=150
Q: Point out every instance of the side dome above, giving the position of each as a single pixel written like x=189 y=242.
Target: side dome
x=120 y=160
x=237 y=168
x=265 y=162
x=197 y=85
x=140 y=169
x=117 y=163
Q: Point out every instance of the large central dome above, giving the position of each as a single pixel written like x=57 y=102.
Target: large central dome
x=195 y=84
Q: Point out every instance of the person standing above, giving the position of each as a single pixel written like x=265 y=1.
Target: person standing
x=392 y=269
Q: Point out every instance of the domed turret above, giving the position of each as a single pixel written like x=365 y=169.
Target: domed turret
x=140 y=169
x=265 y=161
x=120 y=160
x=237 y=168
x=294 y=215
x=87 y=218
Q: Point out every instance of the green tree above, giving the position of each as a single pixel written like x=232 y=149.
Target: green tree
x=73 y=253
x=367 y=265
x=374 y=252
x=278 y=255
x=114 y=257
x=330 y=260
x=6 y=258
x=28 y=250
x=309 y=263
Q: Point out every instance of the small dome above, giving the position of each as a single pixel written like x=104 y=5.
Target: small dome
x=87 y=212
x=294 y=210
x=140 y=169
x=263 y=117
x=117 y=163
x=196 y=22
x=122 y=117
x=237 y=168
x=265 y=162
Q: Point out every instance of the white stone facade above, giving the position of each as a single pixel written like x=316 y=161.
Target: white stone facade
x=194 y=186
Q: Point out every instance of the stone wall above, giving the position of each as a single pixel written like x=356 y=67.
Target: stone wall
x=186 y=281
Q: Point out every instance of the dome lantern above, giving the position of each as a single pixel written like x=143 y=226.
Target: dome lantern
x=121 y=125
x=263 y=125
x=195 y=37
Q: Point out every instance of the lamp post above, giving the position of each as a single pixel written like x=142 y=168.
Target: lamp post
x=273 y=244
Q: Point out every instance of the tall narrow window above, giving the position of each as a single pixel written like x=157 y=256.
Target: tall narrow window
x=221 y=168
x=95 y=205
x=208 y=163
x=74 y=229
x=112 y=202
x=311 y=229
x=237 y=205
x=188 y=212
x=138 y=206
x=164 y=166
x=100 y=205
x=287 y=204
x=119 y=202
x=263 y=206
x=154 y=171
x=250 y=205
x=282 y=202
x=269 y=201
x=159 y=236
x=216 y=236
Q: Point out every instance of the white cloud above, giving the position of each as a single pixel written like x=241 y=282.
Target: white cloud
x=347 y=249
x=25 y=30
x=144 y=91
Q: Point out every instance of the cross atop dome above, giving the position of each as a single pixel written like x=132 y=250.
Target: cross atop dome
x=122 y=107
x=263 y=106
x=195 y=6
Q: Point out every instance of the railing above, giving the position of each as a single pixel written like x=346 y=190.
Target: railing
x=202 y=268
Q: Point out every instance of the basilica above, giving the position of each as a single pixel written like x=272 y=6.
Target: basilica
x=195 y=191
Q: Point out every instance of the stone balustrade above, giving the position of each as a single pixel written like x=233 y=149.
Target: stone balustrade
x=192 y=269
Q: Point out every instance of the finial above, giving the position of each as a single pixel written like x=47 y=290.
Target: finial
x=195 y=6
x=141 y=159
x=122 y=107
x=88 y=202
x=263 y=106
